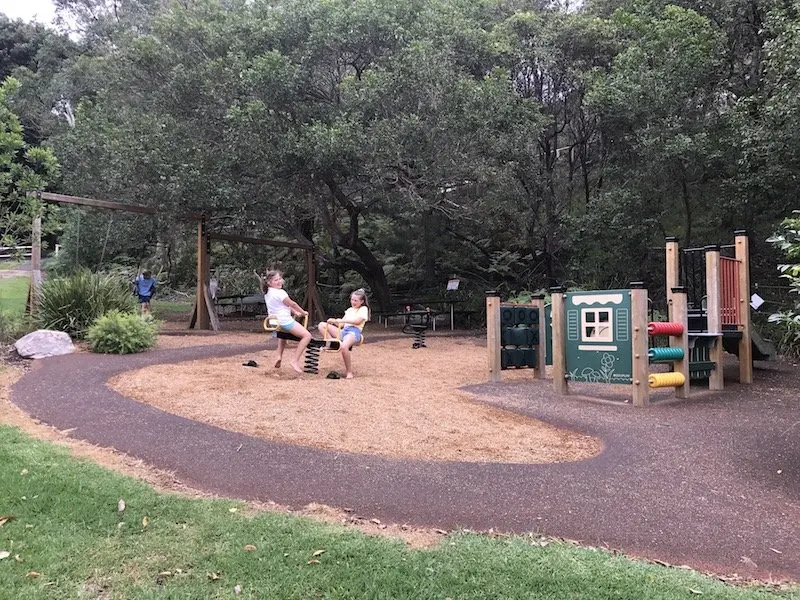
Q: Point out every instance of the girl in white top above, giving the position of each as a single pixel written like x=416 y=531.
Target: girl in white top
x=350 y=326
x=281 y=306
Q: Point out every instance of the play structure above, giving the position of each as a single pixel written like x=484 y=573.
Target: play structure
x=204 y=313
x=417 y=323
x=607 y=337
x=604 y=337
x=36 y=233
x=516 y=335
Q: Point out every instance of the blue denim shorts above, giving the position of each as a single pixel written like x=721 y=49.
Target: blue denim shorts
x=352 y=330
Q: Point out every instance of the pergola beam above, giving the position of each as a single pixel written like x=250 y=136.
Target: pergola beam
x=228 y=237
x=94 y=203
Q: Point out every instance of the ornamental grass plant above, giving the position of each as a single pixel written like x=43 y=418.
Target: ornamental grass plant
x=73 y=303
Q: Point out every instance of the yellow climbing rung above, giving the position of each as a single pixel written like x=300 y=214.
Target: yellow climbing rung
x=660 y=380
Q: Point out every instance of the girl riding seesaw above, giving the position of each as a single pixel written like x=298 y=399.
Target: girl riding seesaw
x=348 y=330
x=283 y=308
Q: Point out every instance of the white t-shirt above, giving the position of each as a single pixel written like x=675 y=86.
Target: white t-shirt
x=276 y=308
x=353 y=314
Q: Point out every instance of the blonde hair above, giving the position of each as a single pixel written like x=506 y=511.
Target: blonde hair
x=361 y=293
x=267 y=277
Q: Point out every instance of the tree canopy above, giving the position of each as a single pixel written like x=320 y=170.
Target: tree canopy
x=517 y=144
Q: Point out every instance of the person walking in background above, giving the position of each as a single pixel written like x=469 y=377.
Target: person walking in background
x=349 y=328
x=145 y=289
x=282 y=307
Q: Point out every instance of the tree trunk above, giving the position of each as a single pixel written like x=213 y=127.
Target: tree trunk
x=368 y=265
x=371 y=269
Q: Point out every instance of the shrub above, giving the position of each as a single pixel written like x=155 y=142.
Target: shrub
x=14 y=325
x=73 y=303
x=121 y=333
x=788 y=240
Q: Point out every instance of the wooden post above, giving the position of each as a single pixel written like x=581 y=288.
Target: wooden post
x=673 y=263
x=537 y=300
x=493 y=335
x=202 y=315
x=640 y=391
x=560 y=383
x=679 y=313
x=714 y=316
x=746 y=343
x=34 y=287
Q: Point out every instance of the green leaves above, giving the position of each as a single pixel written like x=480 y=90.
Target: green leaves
x=23 y=169
x=122 y=333
x=787 y=239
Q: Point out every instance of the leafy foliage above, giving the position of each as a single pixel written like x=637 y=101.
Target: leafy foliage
x=518 y=144
x=788 y=241
x=73 y=303
x=121 y=333
x=23 y=168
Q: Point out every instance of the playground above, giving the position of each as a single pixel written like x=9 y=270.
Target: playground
x=420 y=437
x=404 y=402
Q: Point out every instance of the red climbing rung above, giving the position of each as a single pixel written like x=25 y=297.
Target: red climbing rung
x=665 y=328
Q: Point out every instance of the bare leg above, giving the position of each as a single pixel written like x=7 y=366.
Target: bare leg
x=305 y=337
x=329 y=332
x=347 y=343
x=281 y=347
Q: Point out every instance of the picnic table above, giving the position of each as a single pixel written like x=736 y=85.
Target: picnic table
x=241 y=305
x=446 y=306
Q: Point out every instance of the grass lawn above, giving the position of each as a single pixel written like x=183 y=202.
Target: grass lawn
x=13 y=294
x=6 y=265
x=63 y=535
x=168 y=310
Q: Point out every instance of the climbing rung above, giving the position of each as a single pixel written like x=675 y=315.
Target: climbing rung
x=705 y=365
x=659 y=380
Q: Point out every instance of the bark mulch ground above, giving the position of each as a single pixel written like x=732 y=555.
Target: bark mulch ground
x=713 y=483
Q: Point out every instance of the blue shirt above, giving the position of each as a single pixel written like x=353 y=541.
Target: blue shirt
x=145 y=287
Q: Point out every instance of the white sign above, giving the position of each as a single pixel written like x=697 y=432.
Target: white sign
x=452 y=284
x=756 y=301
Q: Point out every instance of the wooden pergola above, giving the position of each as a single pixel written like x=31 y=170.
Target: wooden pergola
x=203 y=314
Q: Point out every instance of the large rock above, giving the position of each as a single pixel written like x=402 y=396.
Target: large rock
x=44 y=343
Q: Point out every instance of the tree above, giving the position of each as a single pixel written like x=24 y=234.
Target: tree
x=23 y=169
x=33 y=54
x=661 y=107
x=787 y=240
